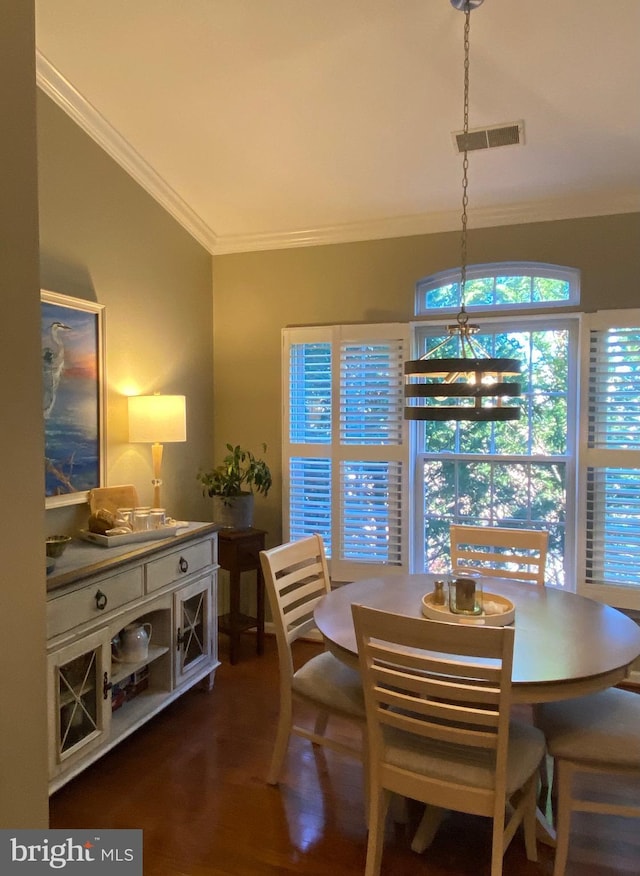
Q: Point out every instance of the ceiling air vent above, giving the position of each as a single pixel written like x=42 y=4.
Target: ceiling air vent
x=511 y=134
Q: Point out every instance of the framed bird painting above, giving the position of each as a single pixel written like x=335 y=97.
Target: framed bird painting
x=73 y=402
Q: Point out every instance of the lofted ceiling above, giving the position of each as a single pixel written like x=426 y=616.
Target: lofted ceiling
x=274 y=123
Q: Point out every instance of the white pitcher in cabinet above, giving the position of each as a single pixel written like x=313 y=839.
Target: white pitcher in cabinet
x=134 y=643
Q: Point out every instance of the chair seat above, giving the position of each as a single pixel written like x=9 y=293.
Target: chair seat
x=327 y=680
x=599 y=728
x=462 y=764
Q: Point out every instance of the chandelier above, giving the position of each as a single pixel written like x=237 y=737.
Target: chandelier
x=470 y=385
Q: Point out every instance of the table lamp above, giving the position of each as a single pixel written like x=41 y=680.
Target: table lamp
x=157 y=420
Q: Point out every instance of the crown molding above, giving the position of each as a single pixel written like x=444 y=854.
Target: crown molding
x=87 y=117
x=582 y=207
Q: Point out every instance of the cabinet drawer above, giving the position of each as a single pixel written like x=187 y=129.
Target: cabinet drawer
x=77 y=608
x=178 y=564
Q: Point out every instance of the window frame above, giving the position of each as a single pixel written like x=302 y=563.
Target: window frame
x=570 y=321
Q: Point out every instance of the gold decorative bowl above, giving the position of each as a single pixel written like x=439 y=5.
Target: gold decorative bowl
x=56 y=545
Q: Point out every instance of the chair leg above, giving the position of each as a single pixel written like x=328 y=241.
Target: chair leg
x=564 y=773
x=497 y=847
x=399 y=809
x=377 y=817
x=553 y=793
x=544 y=783
x=431 y=820
x=366 y=777
x=320 y=726
x=281 y=743
x=530 y=821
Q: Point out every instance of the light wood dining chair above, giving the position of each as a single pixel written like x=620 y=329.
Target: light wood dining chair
x=595 y=735
x=439 y=725
x=499 y=551
x=296 y=578
x=502 y=552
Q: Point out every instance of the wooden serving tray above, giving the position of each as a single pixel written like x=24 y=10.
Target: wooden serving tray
x=501 y=611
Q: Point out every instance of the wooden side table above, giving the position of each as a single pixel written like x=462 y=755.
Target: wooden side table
x=239 y=551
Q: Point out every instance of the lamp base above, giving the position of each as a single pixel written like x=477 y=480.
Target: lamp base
x=156 y=457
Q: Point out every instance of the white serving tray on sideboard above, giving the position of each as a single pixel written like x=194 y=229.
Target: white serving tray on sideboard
x=130 y=537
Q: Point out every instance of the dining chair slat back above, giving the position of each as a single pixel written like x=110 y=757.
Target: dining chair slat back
x=296 y=577
x=439 y=725
x=499 y=551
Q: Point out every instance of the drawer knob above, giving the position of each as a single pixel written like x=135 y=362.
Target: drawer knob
x=183 y=565
x=101 y=600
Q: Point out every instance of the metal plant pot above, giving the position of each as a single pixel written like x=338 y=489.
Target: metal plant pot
x=233 y=512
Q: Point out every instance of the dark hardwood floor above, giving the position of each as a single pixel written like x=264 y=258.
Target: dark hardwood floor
x=193 y=779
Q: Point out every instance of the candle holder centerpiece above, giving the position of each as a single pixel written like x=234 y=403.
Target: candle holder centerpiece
x=465 y=594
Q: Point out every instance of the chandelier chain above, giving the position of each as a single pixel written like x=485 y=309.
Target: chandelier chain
x=465 y=160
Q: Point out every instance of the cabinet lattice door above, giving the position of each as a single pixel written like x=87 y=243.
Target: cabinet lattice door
x=193 y=610
x=79 y=699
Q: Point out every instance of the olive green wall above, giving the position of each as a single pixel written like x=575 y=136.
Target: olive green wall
x=257 y=294
x=23 y=715
x=103 y=238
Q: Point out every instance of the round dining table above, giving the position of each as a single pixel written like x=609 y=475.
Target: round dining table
x=565 y=645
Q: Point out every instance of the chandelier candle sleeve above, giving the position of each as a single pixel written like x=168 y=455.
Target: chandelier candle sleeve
x=465 y=595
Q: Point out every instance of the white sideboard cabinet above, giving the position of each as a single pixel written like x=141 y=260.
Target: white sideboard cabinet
x=94 y=699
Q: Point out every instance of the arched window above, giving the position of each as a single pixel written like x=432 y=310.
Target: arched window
x=500 y=287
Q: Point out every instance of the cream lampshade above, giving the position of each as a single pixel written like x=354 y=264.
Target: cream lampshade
x=157 y=420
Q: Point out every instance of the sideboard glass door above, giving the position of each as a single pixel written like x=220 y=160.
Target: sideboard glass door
x=80 y=696
x=193 y=642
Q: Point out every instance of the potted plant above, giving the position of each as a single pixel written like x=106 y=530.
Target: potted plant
x=232 y=484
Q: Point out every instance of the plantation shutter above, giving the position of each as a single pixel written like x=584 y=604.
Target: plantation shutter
x=611 y=462
x=307 y=458
x=345 y=458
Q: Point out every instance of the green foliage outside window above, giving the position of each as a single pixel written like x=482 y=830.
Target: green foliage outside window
x=512 y=473
x=495 y=291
